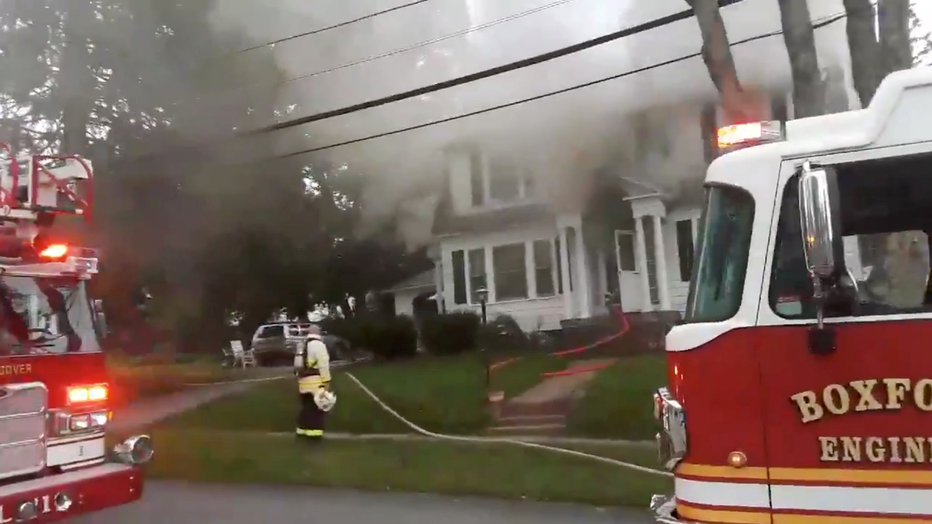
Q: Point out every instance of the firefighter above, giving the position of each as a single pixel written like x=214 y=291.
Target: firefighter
x=312 y=367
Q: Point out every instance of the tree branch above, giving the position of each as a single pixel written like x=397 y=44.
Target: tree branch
x=716 y=53
x=865 y=50
x=895 y=44
x=808 y=87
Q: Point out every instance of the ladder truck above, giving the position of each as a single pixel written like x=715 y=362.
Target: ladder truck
x=54 y=392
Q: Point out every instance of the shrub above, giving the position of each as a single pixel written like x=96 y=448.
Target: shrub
x=503 y=334
x=385 y=337
x=450 y=333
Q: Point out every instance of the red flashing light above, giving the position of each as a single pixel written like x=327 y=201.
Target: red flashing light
x=54 y=251
x=752 y=133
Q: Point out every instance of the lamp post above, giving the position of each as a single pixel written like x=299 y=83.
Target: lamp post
x=483 y=295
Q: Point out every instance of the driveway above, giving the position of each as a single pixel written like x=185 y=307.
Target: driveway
x=183 y=503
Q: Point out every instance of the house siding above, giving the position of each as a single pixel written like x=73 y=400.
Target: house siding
x=532 y=314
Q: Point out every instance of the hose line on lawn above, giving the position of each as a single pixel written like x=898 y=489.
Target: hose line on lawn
x=461 y=438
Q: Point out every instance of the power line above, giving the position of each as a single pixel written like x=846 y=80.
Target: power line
x=312 y=32
x=397 y=51
x=206 y=62
x=480 y=75
x=527 y=62
x=818 y=25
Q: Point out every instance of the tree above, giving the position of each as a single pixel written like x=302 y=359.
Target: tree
x=716 y=53
x=873 y=55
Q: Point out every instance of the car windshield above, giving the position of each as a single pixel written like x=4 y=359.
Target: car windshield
x=724 y=243
x=46 y=316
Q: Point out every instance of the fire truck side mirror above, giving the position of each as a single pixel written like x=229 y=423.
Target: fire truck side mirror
x=816 y=187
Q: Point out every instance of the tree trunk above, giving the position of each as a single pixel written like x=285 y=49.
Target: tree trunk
x=77 y=84
x=895 y=44
x=808 y=87
x=865 y=50
x=716 y=53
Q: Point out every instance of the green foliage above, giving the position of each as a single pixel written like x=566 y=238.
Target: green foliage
x=383 y=336
x=450 y=333
x=617 y=403
x=148 y=90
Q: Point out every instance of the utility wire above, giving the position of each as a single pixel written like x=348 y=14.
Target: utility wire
x=480 y=75
x=370 y=16
x=387 y=54
x=818 y=25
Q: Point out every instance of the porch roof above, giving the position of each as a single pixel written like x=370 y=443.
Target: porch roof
x=424 y=280
x=448 y=223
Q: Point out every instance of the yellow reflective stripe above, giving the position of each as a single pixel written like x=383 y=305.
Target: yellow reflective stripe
x=310 y=432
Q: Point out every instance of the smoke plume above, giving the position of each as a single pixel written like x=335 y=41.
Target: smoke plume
x=561 y=140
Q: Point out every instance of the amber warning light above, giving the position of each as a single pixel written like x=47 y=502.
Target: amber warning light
x=85 y=394
x=750 y=134
x=54 y=251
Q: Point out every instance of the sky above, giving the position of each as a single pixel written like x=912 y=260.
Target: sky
x=547 y=135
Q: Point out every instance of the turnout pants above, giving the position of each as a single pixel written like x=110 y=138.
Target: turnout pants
x=310 y=419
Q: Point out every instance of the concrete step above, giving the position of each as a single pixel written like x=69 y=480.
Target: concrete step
x=530 y=420
x=529 y=429
x=521 y=409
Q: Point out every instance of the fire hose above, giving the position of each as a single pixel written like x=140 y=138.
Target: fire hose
x=461 y=438
x=622 y=331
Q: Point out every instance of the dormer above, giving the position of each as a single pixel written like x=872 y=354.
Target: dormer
x=481 y=181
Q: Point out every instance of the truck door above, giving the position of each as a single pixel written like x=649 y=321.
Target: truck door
x=858 y=416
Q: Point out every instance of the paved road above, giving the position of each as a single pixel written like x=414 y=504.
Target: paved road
x=182 y=503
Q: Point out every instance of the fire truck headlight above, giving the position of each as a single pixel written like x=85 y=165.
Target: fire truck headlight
x=136 y=450
x=80 y=422
x=671 y=440
x=86 y=421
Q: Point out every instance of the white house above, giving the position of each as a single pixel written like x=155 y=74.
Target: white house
x=634 y=240
x=496 y=228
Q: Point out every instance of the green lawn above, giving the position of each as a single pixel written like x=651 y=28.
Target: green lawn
x=443 y=394
x=272 y=407
x=440 y=467
x=131 y=380
x=618 y=402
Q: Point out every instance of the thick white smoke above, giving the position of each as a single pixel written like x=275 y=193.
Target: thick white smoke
x=560 y=139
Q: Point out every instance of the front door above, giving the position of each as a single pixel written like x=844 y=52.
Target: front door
x=629 y=277
x=849 y=431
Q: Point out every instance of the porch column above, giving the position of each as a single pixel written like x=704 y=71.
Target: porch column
x=438 y=286
x=603 y=277
x=646 y=304
x=582 y=272
x=565 y=274
x=663 y=287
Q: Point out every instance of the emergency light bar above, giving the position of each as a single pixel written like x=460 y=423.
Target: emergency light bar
x=754 y=133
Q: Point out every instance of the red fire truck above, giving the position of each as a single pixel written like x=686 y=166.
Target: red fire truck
x=800 y=383
x=54 y=394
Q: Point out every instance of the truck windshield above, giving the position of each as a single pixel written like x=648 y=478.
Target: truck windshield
x=724 y=242
x=45 y=316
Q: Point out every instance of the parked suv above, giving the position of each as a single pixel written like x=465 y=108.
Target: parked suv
x=276 y=342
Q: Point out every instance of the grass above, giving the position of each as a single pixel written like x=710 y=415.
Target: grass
x=272 y=407
x=416 y=466
x=618 y=402
x=131 y=380
x=443 y=394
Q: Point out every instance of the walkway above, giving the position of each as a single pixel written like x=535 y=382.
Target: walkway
x=543 y=408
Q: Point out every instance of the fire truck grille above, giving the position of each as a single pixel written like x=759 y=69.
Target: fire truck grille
x=22 y=429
